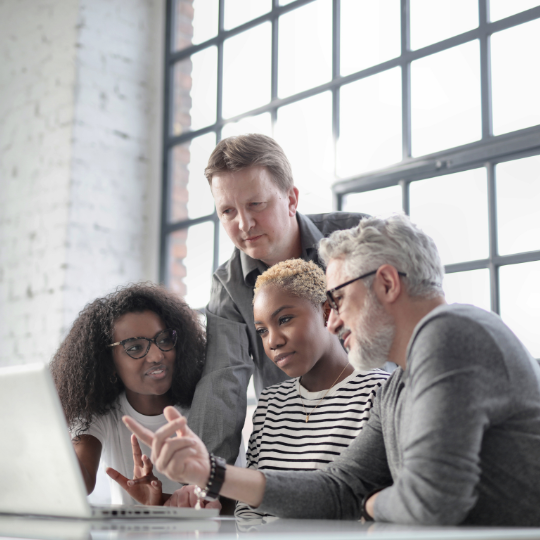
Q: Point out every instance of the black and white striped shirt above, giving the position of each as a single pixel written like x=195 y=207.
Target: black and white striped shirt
x=283 y=440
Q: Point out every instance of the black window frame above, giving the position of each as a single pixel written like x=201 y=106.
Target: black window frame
x=487 y=152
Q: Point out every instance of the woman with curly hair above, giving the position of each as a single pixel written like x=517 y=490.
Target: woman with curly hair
x=133 y=352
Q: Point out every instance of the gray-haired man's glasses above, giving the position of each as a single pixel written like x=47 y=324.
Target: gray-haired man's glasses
x=138 y=347
x=330 y=293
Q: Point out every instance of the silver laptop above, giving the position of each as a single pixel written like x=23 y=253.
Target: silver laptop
x=39 y=470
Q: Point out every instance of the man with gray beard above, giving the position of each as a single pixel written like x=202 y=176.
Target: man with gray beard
x=453 y=436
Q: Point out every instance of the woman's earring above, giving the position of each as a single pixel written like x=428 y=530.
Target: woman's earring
x=114 y=378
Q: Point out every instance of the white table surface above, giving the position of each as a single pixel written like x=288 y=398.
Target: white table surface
x=229 y=528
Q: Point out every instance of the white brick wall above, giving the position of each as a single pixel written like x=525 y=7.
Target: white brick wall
x=80 y=125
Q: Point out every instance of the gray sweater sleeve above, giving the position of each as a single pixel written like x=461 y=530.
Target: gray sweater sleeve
x=456 y=375
x=335 y=492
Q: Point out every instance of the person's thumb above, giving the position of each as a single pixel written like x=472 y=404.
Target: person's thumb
x=172 y=415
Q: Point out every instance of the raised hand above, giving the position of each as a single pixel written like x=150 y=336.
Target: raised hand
x=185 y=498
x=176 y=450
x=145 y=487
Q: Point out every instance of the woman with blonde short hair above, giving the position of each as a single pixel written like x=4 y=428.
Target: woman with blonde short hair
x=306 y=422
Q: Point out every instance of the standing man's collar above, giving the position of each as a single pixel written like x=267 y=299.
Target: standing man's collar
x=251 y=268
x=310 y=237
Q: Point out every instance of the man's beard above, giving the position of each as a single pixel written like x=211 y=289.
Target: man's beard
x=373 y=336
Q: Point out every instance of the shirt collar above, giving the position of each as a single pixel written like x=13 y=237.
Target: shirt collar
x=310 y=237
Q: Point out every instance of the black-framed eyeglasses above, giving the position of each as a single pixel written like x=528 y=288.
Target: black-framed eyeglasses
x=138 y=347
x=330 y=293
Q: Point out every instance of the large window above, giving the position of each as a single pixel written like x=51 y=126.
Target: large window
x=424 y=106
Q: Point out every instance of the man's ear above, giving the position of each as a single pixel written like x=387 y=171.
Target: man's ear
x=292 y=194
x=326 y=312
x=387 y=285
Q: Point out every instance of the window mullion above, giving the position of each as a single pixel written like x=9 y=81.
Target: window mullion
x=219 y=119
x=167 y=115
x=219 y=107
x=274 y=63
x=485 y=68
x=405 y=81
x=336 y=71
x=405 y=197
x=493 y=249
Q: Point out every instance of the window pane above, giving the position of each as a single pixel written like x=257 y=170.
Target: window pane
x=445 y=99
x=518 y=202
x=190 y=195
x=195 y=21
x=304 y=130
x=453 y=210
x=246 y=70
x=205 y=20
x=370 y=124
x=305 y=47
x=226 y=246
x=499 y=9
x=376 y=203
x=195 y=91
x=520 y=301
x=515 y=77
x=261 y=123
x=191 y=253
x=436 y=20
x=238 y=12
x=370 y=33
x=468 y=288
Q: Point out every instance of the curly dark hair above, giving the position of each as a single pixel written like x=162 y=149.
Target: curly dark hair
x=83 y=368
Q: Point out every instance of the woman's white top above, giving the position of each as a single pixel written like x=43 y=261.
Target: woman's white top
x=115 y=439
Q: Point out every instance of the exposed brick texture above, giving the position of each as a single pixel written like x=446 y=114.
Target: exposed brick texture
x=80 y=125
x=180 y=155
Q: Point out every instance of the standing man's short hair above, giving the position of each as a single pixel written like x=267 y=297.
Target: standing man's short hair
x=242 y=151
x=394 y=240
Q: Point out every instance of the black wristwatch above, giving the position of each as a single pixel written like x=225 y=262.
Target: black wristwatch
x=215 y=480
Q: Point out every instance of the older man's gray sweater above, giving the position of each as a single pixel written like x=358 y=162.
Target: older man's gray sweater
x=456 y=436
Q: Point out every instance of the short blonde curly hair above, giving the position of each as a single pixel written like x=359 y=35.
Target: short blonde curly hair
x=303 y=279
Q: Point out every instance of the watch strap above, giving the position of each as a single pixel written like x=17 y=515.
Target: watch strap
x=210 y=492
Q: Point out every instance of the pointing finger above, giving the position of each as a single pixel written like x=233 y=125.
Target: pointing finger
x=145 y=435
x=171 y=414
x=136 y=449
x=117 y=477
